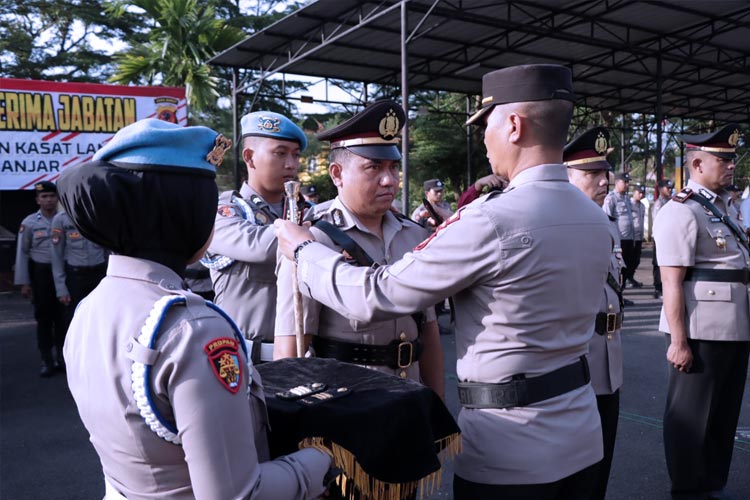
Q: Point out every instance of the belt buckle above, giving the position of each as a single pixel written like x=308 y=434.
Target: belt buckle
x=611 y=322
x=399 y=351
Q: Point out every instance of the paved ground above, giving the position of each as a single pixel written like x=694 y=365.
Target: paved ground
x=45 y=453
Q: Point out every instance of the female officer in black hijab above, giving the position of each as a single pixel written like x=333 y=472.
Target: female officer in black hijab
x=161 y=377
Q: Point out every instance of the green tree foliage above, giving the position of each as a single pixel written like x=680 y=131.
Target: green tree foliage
x=182 y=35
x=54 y=39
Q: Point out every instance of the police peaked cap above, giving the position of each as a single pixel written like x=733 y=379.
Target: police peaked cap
x=274 y=126
x=45 y=187
x=531 y=82
x=433 y=184
x=622 y=176
x=721 y=143
x=372 y=133
x=308 y=190
x=666 y=183
x=588 y=151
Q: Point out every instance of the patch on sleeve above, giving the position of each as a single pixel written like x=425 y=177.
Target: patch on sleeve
x=226 y=211
x=22 y=228
x=447 y=222
x=225 y=361
x=56 y=236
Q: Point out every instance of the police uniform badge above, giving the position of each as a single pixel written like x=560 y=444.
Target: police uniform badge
x=601 y=145
x=226 y=211
x=734 y=138
x=221 y=146
x=338 y=217
x=389 y=125
x=74 y=235
x=223 y=353
x=56 y=236
x=269 y=124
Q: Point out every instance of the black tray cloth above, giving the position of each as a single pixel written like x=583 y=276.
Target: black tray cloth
x=393 y=430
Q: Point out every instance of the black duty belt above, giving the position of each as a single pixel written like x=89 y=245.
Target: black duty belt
x=607 y=323
x=522 y=391
x=86 y=269
x=725 y=275
x=398 y=354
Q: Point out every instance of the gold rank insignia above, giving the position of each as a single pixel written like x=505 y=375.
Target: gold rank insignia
x=225 y=361
x=601 y=145
x=221 y=145
x=389 y=125
x=734 y=138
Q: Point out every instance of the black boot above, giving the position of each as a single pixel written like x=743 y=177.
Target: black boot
x=47 y=369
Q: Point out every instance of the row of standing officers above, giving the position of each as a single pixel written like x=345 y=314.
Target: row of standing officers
x=538 y=379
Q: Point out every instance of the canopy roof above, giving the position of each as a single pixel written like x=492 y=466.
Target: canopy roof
x=626 y=55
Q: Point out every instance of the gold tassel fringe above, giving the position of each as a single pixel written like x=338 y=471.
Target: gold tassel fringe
x=355 y=479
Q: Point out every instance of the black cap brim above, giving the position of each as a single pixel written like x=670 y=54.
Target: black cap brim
x=377 y=152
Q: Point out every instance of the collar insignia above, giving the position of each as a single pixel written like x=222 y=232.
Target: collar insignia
x=338 y=217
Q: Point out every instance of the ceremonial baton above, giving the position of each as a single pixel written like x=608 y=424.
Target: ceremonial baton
x=433 y=213
x=291 y=188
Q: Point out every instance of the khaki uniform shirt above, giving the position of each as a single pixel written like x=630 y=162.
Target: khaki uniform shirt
x=618 y=205
x=399 y=237
x=70 y=247
x=443 y=208
x=605 y=351
x=34 y=242
x=222 y=432
x=639 y=216
x=690 y=237
x=657 y=205
x=246 y=289
x=525 y=296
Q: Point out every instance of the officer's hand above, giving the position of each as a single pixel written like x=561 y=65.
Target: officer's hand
x=64 y=300
x=680 y=356
x=489 y=181
x=290 y=236
x=26 y=291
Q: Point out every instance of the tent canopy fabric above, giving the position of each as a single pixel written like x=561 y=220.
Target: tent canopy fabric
x=667 y=58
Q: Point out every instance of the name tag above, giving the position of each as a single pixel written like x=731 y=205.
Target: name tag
x=714 y=219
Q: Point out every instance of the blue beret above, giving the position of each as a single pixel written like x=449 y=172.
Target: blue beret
x=274 y=126
x=157 y=145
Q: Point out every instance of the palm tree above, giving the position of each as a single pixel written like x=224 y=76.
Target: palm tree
x=181 y=36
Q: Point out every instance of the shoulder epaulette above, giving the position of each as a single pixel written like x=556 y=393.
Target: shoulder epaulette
x=683 y=195
x=611 y=218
